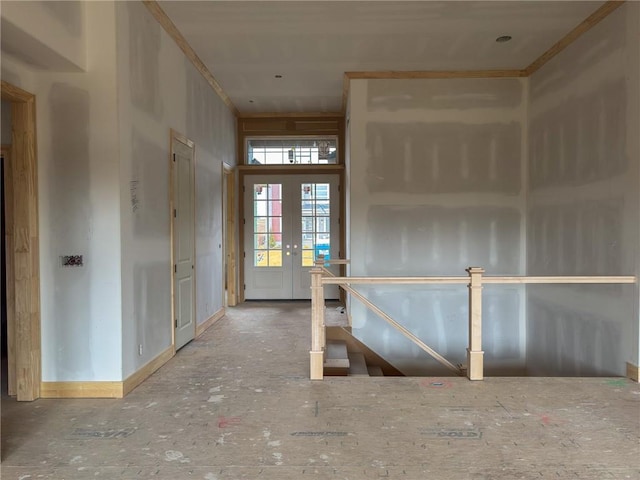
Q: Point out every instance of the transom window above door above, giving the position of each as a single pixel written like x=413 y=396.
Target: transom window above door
x=292 y=151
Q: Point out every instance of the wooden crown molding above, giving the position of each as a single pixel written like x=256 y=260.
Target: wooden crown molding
x=591 y=21
x=602 y=12
x=391 y=74
x=290 y=115
x=166 y=23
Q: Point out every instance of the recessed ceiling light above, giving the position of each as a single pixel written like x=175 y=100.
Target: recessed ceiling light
x=503 y=38
x=278 y=76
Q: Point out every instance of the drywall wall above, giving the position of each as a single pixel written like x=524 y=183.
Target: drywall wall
x=436 y=169
x=79 y=196
x=159 y=90
x=48 y=34
x=583 y=212
x=5 y=123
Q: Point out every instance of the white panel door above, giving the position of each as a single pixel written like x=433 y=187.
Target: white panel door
x=289 y=220
x=183 y=243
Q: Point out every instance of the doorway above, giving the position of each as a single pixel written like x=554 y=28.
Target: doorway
x=289 y=221
x=183 y=239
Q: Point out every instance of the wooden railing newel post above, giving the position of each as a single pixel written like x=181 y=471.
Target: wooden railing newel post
x=475 y=354
x=317 y=324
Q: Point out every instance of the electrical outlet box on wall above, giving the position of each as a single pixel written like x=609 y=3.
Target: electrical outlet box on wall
x=71 y=260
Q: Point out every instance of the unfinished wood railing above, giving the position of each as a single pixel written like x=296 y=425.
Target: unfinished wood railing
x=475 y=280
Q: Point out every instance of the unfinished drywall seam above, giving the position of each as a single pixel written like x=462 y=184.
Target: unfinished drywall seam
x=583 y=202
x=436 y=187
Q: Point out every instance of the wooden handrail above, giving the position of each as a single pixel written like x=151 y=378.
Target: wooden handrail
x=333 y=261
x=558 y=280
x=475 y=280
x=394 y=280
x=485 y=279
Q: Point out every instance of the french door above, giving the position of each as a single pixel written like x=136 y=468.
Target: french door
x=289 y=221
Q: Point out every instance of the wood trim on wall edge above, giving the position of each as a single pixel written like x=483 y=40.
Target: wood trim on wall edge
x=434 y=74
x=163 y=19
x=202 y=327
x=633 y=372
x=583 y=27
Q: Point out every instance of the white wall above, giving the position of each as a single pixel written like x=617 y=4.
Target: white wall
x=100 y=133
x=46 y=34
x=159 y=89
x=583 y=212
x=79 y=204
x=436 y=169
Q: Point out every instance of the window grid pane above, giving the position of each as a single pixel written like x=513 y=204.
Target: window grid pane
x=267 y=209
x=292 y=151
x=315 y=224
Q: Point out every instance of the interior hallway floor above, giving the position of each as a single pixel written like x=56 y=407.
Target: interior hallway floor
x=237 y=403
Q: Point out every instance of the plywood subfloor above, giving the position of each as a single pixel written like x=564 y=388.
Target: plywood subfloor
x=236 y=403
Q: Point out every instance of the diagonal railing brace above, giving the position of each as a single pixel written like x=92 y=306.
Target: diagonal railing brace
x=398 y=326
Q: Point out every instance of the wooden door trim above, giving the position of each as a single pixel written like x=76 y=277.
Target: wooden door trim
x=25 y=256
x=7 y=189
x=180 y=138
x=229 y=229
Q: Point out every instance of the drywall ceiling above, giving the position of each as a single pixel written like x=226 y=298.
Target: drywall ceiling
x=311 y=44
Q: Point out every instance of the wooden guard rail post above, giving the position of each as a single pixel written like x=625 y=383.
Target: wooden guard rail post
x=317 y=324
x=475 y=354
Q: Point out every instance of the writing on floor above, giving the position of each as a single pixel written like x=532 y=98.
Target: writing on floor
x=465 y=433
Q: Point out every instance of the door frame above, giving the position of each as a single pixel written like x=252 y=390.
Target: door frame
x=24 y=342
x=178 y=137
x=284 y=170
x=8 y=281
x=229 y=226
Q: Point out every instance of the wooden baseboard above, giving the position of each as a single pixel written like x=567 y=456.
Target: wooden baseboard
x=136 y=378
x=104 y=389
x=633 y=372
x=200 y=329
x=81 y=390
